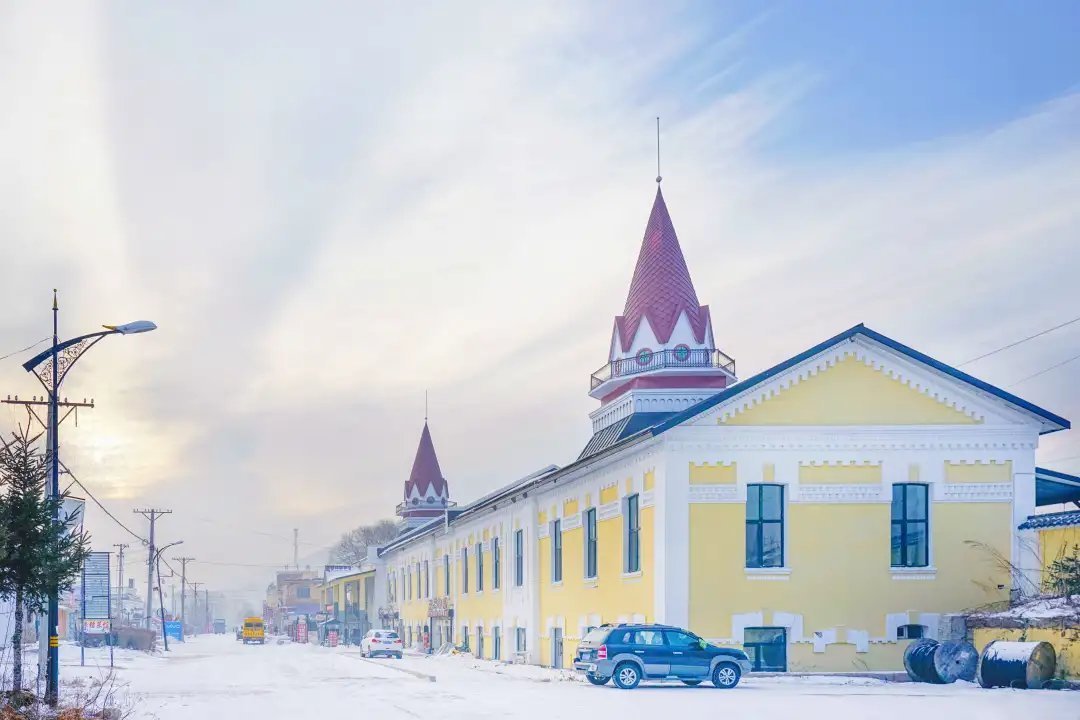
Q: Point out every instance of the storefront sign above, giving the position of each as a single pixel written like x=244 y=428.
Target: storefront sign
x=96 y=626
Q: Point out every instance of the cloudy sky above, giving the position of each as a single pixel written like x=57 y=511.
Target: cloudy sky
x=330 y=207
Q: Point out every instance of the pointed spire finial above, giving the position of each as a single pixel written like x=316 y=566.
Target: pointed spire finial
x=658 y=176
x=55 y=305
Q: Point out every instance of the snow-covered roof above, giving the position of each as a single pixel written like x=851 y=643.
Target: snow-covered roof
x=1051 y=520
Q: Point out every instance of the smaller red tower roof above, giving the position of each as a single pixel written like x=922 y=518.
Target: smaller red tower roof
x=661 y=289
x=426 y=476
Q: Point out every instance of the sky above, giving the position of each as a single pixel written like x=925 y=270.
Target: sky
x=331 y=208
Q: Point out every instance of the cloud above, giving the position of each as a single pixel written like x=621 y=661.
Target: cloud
x=329 y=212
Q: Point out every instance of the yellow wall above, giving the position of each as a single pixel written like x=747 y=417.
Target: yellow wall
x=478 y=607
x=714 y=474
x=978 y=472
x=1066 y=645
x=610 y=595
x=850 y=393
x=839 y=474
x=839 y=555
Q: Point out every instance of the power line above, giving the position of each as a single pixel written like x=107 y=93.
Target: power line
x=104 y=509
x=28 y=347
x=1019 y=342
x=1055 y=366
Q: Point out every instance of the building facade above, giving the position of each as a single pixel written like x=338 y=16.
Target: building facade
x=820 y=513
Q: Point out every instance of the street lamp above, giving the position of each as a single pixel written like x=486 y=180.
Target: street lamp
x=50 y=367
x=161 y=601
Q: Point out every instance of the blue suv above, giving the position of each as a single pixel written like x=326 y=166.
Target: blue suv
x=630 y=653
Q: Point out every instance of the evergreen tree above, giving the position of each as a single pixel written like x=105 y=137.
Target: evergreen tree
x=38 y=554
x=1063 y=575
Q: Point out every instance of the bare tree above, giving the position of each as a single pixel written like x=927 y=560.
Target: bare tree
x=353 y=546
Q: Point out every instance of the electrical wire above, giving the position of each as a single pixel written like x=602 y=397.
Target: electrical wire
x=105 y=510
x=28 y=347
x=1055 y=366
x=1019 y=342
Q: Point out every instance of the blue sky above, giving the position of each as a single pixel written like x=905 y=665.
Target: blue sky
x=331 y=207
x=890 y=72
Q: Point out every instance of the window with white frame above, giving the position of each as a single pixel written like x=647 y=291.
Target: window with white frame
x=496 y=563
x=764 y=526
x=519 y=558
x=479 y=566
x=446 y=574
x=590 y=543
x=910 y=525
x=464 y=570
x=556 y=551
x=519 y=634
x=631 y=535
x=427 y=580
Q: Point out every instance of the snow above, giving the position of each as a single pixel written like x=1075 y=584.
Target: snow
x=217 y=677
x=1010 y=651
x=1043 y=608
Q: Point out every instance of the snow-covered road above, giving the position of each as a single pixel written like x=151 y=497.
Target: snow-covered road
x=217 y=677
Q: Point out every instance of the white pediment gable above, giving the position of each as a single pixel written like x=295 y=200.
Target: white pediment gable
x=982 y=407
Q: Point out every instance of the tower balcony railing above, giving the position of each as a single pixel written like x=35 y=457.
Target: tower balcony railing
x=673 y=358
x=417 y=505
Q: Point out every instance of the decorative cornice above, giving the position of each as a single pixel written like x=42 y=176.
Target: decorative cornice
x=861 y=439
x=542 y=531
x=609 y=510
x=726 y=493
x=648 y=498
x=571 y=522
x=975 y=492
x=838 y=493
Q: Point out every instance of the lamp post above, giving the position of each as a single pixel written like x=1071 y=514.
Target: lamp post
x=50 y=367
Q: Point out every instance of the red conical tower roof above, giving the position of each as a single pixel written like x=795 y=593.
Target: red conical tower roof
x=661 y=289
x=426 y=474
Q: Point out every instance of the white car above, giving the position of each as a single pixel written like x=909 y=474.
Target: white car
x=381 y=642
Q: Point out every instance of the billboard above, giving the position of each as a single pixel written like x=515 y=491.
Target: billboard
x=96 y=603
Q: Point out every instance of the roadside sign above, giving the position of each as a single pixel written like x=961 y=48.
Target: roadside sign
x=96 y=627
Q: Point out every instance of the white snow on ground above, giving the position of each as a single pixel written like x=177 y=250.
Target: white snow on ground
x=217 y=677
x=1043 y=608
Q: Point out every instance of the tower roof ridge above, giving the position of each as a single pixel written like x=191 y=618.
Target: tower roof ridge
x=426 y=474
x=661 y=288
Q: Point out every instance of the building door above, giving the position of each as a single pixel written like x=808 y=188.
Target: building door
x=766 y=648
x=556 y=647
x=480 y=641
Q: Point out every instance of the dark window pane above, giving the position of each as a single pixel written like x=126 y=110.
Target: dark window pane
x=917 y=545
x=772 y=656
x=915 y=505
x=753 y=549
x=681 y=640
x=764 y=635
x=772 y=502
x=897 y=545
x=753 y=502
x=897 y=502
x=772 y=545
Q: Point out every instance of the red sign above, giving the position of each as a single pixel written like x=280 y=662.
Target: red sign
x=301 y=630
x=332 y=638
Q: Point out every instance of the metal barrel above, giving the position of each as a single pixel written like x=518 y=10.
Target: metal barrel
x=929 y=661
x=1016 y=664
x=919 y=661
x=956 y=661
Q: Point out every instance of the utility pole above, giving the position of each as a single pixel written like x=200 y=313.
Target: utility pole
x=121 y=547
x=183 y=591
x=151 y=514
x=195 y=608
x=206 y=625
x=296 y=548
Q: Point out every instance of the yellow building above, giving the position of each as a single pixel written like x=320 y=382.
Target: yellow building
x=819 y=514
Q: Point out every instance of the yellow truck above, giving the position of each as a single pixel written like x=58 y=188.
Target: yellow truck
x=254 y=632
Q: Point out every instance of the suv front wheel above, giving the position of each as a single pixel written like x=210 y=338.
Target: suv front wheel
x=726 y=676
x=627 y=675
